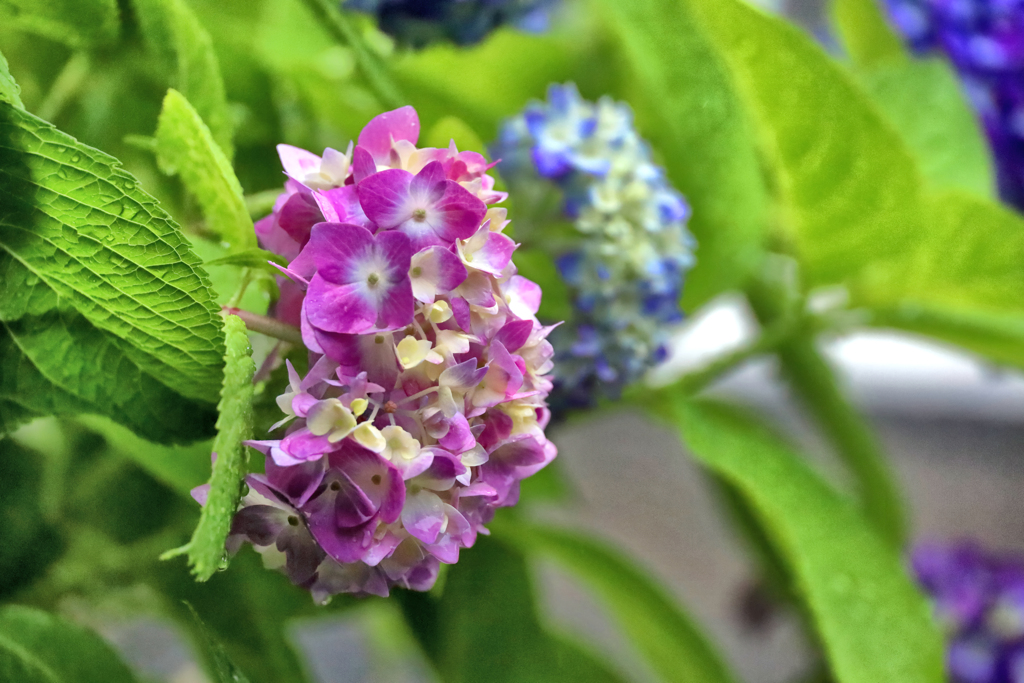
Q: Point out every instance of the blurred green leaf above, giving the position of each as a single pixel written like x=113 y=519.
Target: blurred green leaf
x=223 y=667
x=485 y=628
x=185 y=147
x=847 y=185
x=54 y=650
x=9 y=90
x=865 y=33
x=180 y=467
x=673 y=645
x=962 y=283
x=103 y=307
x=873 y=623
x=249 y=610
x=925 y=102
x=78 y=23
x=30 y=543
x=687 y=107
x=234 y=425
x=452 y=128
x=172 y=31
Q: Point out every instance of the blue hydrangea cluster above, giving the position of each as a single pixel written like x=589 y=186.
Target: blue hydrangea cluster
x=984 y=39
x=978 y=597
x=627 y=254
x=416 y=23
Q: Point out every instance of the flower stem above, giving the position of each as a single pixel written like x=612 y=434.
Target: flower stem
x=267 y=326
x=814 y=383
x=370 y=64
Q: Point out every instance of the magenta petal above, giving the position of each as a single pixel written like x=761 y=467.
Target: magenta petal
x=343 y=544
x=400 y=124
x=377 y=478
x=494 y=256
x=523 y=296
x=363 y=165
x=297 y=162
x=334 y=248
x=462 y=376
x=297 y=482
x=341 y=205
x=304 y=445
x=459 y=438
x=385 y=197
x=200 y=493
x=428 y=186
x=514 y=334
x=459 y=213
x=435 y=270
x=446 y=549
x=461 y=313
x=298 y=215
x=423 y=516
x=338 y=308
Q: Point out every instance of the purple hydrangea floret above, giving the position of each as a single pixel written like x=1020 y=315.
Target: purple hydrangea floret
x=978 y=598
x=984 y=39
x=425 y=403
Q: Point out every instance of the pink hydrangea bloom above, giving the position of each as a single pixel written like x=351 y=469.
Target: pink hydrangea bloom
x=425 y=404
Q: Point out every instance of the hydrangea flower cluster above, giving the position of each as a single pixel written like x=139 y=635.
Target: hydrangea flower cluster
x=424 y=406
x=626 y=260
x=979 y=598
x=417 y=23
x=984 y=39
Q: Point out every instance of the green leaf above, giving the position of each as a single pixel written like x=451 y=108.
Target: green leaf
x=234 y=425
x=19 y=666
x=673 y=645
x=67 y=652
x=30 y=543
x=847 y=185
x=223 y=667
x=689 y=110
x=185 y=147
x=924 y=101
x=173 y=33
x=9 y=90
x=78 y=23
x=485 y=626
x=963 y=283
x=103 y=307
x=865 y=33
x=180 y=467
x=871 y=620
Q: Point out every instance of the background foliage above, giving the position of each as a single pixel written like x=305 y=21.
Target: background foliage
x=807 y=173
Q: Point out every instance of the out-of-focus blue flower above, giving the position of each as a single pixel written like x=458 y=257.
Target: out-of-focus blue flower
x=627 y=258
x=979 y=598
x=984 y=39
x=417 y=23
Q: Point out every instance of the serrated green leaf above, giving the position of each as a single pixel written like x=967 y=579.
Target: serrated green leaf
x=9 y=90
x=78 y=23
x=185 y=147
x=234 y=425
x=66 y=651
x=925 y=102
x=175 y=35
x=103 y=306
x=224 y=669
x=688 y=108
x=847 y=185
x=672 y=644
x=865 y=33
x=873 y=623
